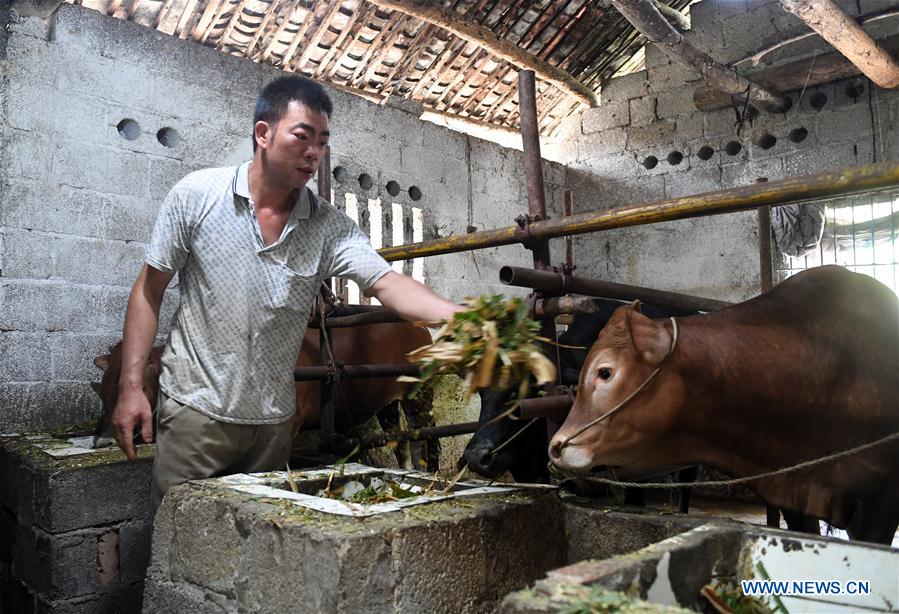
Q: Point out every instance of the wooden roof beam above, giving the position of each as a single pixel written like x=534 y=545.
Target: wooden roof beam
x=475 y=34
x=847 y=37
x=645 y=17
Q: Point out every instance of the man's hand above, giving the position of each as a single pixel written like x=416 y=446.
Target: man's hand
x=133 y=409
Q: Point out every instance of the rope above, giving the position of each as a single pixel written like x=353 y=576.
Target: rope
x=735 y=481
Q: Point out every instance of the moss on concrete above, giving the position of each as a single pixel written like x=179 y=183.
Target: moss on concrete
x=39 y=459
x=579 y=599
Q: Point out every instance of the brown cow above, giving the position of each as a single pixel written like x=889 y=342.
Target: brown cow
x=806 y=370
x=370 y=344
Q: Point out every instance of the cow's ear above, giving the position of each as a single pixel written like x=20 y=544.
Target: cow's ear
x=651 y=339
x=102 y=362
x=636 y=306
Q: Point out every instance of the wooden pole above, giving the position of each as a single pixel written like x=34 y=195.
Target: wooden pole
x=644 y=16
x=847 y=37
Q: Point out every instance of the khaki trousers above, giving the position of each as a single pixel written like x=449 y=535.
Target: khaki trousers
x=192 y=446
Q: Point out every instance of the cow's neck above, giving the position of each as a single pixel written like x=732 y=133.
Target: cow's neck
x=730 y=416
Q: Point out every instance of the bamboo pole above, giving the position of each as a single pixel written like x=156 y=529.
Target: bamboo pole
x=842 y=182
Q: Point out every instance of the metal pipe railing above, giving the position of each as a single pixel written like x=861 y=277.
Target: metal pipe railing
x=829 y=184
x=428 y=432
x=307 y=374
x=557 y=283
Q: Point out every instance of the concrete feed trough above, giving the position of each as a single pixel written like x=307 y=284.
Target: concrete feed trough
x=248 y=543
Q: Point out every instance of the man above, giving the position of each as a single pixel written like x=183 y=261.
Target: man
x=251 y=245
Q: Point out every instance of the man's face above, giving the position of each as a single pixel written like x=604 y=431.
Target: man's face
x=294 y=145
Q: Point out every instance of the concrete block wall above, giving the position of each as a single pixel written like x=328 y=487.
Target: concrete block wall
x=74 y=531
x=648 y=142
x=100 y=117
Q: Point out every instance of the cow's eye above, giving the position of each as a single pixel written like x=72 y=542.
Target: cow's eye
x=604 y=373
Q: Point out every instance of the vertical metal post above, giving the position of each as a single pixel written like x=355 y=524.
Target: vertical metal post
x=533 y=167
x=766 y=265
x=324 y=175
x=328 y=412
x=568 y=211
x=533 y=171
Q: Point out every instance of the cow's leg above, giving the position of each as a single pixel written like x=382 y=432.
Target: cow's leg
x=686 y=475
x=873 y=523
x=801 y=523
x=389 y=418
x=419 y=414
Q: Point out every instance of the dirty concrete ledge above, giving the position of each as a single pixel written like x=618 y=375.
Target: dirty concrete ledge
x=216 y=549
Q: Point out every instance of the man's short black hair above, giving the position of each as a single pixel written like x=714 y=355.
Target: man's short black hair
x=274 y=98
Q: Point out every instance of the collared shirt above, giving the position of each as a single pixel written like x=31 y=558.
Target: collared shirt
x=244 y=305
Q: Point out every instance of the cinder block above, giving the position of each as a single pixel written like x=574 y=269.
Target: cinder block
x=642 y=111
x=34 y=306
x=689 y=127
x=675 y=102
x=634 y=85
x=100 y=168
x=656 y=134
x=72 y=355
x=161 y=596
x=720 y=123
x=57 y=566
x=35 y=107
x=603 y=117
x=28 y=406
x=24 y=357
x=692 y=182
x=162 y=175
x=95 y=261
x=740 y=174
x=840 y=125
x=25 y=155
x=604 y=143
x=26 y=254
x=831 y=157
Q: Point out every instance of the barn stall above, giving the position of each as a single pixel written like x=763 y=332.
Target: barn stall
x=79 y=198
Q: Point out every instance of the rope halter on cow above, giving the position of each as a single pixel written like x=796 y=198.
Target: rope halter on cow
x=645 y=383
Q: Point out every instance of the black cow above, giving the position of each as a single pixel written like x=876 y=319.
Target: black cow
x=526 y=457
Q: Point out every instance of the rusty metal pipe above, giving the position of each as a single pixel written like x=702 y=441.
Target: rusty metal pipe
x=553 y=407
x=360 y=319
x=324 y=175
x=559 y=305
x=306 y=374
x=853 y=180
x=546 y=281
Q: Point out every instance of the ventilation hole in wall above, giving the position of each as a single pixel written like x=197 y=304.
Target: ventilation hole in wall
x=767 y=141
x=365 y=181
x=705 y=152
x=650 y=162
x=675 y=158
x=168 y=137
x=818 y=100
x=128 y=129
x=855 y=88
x=797 y=135
x=414 y=193
x=733 y=148
x=393 y=188
x=340 y=174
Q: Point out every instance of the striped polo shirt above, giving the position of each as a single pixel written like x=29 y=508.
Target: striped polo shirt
x=244 y=305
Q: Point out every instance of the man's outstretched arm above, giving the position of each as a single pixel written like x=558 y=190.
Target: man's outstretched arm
x=412 y=300
x=141 y=324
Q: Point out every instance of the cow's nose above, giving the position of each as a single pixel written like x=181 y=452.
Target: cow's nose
x=555 y=449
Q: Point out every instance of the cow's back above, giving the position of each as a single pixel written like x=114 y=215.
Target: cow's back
x=814 y=363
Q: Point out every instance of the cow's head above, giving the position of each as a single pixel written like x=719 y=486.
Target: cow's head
x=627 y=352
